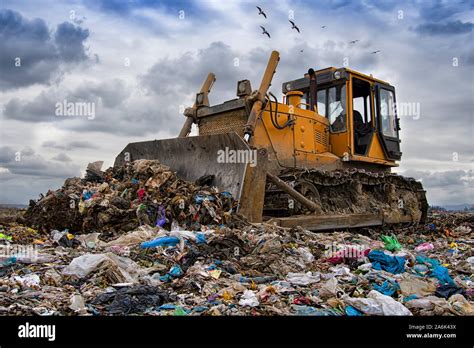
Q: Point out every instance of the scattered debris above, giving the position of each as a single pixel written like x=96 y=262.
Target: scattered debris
x=138 y=240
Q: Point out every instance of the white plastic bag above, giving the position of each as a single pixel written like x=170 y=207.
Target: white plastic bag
x=141 y=234
x=388 y=305
x=377 y=303
x=329 y=289
x=83 y=265
x=306 y=254
x=303 y=278
x=249 y=299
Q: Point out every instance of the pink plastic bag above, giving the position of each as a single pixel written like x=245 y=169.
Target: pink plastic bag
x=424 y=247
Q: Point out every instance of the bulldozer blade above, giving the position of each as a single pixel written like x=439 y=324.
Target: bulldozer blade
x=227 y=157
x=333 y=222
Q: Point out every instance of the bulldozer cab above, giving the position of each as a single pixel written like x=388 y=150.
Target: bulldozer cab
x=363 y=124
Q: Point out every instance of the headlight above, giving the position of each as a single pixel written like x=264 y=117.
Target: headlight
x=337 y=74
x=288 y=86
x=242 y=86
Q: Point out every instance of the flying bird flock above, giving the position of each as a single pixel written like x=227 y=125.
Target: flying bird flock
x=261 y=12
x=264 y=31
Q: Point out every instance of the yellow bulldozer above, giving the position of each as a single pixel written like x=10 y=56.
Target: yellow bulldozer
x=321 y=158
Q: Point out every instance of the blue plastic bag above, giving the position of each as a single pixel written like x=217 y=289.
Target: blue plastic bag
x=410 y=297
x=353 y=312
x=382 y=261
x=200 y=238
x=442 y=274
x=439 y=272
x=174 y=272
x=388 y=287
x=424 y=259
x=162 y=241
x=8 y=262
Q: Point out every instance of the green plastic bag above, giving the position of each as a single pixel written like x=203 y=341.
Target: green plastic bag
x=5 y=237
x=179 y=311
x=391 y=243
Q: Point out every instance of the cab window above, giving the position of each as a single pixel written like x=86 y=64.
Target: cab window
x=322 y=102
x=336 y=108
x=388 y=113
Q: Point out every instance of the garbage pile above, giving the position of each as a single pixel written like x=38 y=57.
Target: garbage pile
x=118 y=200
x=185 y=268
x=137 y=240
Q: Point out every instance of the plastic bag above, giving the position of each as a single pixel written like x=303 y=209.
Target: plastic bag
x=162 y=241
x=415 y=286
x=306 y=254
x=388 y=305
x=352 y=312
x=29 y=281
x=389 y=287
x=377 y=304
x=7 y=261
x=77 y=303
x=174 y=272
x=391 y=243
x=303 y=278
x=424 y=247
x=365 y=305
x=442 y=274
x=460 y=306
x=142 y=234
x=329 y=289
x=249 y=299
x=447 y=291
x=428 y=303
x=84 y=265
x=382 y=261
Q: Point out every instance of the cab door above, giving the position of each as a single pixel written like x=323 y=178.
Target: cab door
x=388 y=124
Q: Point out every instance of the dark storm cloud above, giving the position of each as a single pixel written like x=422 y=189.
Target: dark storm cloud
x=70 y=41
x=435 y=11
x=27 y=162
x=42 y=108
x=123 y=8
x=437 y=18
x=28 y=53
x=39 y=109
x=449 y=28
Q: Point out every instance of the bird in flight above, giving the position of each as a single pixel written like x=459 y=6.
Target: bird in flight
x=265 y=32
x=374 y=52
x=354 y=41
x=260 y=12
x=323 y=27
x=293 y=26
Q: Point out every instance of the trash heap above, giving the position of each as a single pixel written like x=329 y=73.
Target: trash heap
x=186 y=253
x=118 y=200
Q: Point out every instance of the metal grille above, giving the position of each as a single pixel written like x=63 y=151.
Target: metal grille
x=223 y=123
x=320 y=138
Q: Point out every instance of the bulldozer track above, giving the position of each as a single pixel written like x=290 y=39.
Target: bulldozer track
x=349 y=191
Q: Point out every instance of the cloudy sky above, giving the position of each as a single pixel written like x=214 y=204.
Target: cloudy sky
x=141 y=61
